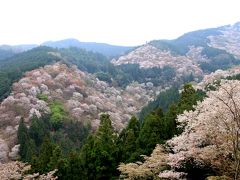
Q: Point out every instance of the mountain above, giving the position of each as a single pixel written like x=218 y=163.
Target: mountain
x=103 y=48
x=53 y=99
x=203 y=50
x=82 y=96
x=18 y=48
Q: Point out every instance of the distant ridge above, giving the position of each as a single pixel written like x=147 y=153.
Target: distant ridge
x=105 y=49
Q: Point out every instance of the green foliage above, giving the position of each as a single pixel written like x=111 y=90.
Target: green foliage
x=41 y=146
x=5 y=85
x=188 y=98
x=46 y=152
x=88 y=158
x=43 y=97
x=37 y=130
x=105 y=149
x=74 y=167
x=85 y=60
x=71 y=136
x=157 y=125
x=219 y=59
x=49 y=158
x=163 y=101
x=55 y=159
x=234 y=77
x=167 y=45
x=152 y=132
x=100 y=153
x=127 y=73
x=127 y=141
x=102 y=76
x=58 y=114
x=195 y=38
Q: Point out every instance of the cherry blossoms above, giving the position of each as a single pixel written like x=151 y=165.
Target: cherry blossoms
x=17 y=170
x=210 y=138
x=211 y=132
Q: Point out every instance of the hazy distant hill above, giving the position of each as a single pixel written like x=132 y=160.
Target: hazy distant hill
x=7 y=51
x=5 y=54
x=105 y=49
x=18 y=48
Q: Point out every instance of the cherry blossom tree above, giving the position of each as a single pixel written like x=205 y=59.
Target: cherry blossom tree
x=210 y=138
x=211 y=134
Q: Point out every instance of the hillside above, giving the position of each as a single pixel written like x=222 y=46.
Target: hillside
x=195 y=53
x=149 y=56
x=12 y=68
x=206 y=147
x=83 y=96
x=68 y=108
x=228 y=40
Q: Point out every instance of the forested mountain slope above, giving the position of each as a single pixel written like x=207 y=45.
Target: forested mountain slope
x=12 y=68
x=207 y=145
x=53 y=100
x=82 y=96
x=193 y=53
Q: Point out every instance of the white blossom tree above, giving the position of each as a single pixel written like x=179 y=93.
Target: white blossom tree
x=152 y=166
x=210 y=138
x=212 y=132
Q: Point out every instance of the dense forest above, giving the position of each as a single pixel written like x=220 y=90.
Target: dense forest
x=54 y=141
x=178 y=131
x=121 y=75
x=13 y=68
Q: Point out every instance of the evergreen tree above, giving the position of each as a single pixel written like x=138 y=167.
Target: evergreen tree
x=37 y=130
x=27 y=146
x=62 y=169
x=127 y=141
x=105 y=149
x=152 y=132
x=170 y=124
x=46 y=152
x=74 y=168
x=35 y=164
x=188 y=98
x=87 y=158
x=55 y=158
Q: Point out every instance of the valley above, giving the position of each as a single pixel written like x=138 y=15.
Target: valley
x=79 y=111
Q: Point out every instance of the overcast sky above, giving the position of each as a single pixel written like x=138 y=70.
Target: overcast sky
x=121 y=22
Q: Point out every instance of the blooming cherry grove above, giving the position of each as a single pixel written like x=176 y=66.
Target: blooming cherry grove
x=211 y=132
x=210 y=138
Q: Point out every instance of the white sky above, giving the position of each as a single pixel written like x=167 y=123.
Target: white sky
x=122 y=22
